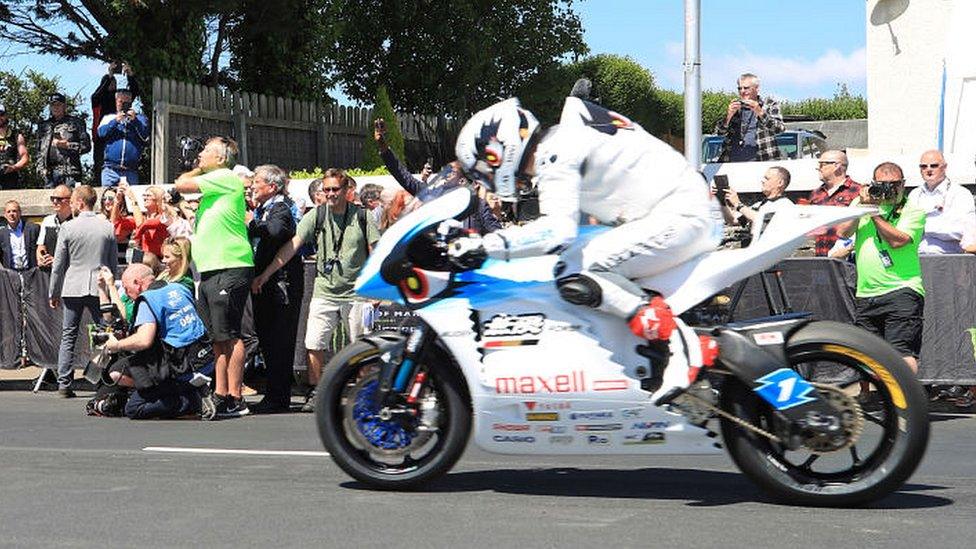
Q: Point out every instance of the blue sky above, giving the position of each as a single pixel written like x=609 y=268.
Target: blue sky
x=799 y=49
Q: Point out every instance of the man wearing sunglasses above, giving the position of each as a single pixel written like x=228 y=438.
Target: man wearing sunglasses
x=838 y=189
x=890 y=297
x=750 y=125
x=47 y=240
x=948 y=208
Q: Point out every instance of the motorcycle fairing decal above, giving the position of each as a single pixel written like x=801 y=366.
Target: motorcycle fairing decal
x=504 y=330
x=897 y=395
x=784 y=389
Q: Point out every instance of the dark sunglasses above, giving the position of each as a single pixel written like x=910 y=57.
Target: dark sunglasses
x=932 y=166
x=892 y=182
x=326 y=190
x=56 y=199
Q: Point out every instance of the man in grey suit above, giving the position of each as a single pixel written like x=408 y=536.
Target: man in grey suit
x=84 y=244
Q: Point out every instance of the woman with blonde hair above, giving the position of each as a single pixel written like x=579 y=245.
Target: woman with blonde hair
x=176 y=261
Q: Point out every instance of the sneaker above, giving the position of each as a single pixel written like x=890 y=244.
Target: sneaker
x=66 y=392
x=208 y=403
x=271 y=406
x=309 y=405
x=234 y=407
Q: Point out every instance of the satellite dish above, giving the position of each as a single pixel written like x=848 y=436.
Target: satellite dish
x=886 y=11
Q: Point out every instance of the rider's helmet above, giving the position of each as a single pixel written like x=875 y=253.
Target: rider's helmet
x=491 y=146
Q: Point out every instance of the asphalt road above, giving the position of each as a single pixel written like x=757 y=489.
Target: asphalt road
x=70 y=480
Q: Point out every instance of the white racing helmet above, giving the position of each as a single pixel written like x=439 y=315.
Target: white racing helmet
x=492 y=144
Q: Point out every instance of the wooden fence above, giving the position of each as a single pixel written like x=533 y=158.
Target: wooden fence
x=270 y=130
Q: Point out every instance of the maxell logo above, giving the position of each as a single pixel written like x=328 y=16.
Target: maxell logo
x=564 y=383
x=541 y=416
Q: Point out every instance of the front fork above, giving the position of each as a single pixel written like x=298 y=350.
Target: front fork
x=399 y=370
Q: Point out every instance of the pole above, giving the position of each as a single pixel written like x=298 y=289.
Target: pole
x=692 y=70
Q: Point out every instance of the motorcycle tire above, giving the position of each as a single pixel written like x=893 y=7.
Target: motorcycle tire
x=901 y=421
x=348 y=440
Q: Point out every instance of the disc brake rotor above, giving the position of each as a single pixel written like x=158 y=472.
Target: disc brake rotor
x=394 y=436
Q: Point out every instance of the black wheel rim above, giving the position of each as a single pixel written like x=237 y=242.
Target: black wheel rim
x=844 y=466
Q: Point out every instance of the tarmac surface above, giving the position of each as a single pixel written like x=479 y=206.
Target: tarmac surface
x=68 y=480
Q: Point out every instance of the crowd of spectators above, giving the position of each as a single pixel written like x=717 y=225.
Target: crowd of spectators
x=118 y=136
x=242 y=242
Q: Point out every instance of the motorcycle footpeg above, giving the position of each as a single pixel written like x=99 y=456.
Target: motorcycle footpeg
x=657 y=354
x=668 y=397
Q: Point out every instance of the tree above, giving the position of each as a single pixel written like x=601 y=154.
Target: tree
x=291 y=60
x=448 y=58
x=26 y=99
x=394 y=137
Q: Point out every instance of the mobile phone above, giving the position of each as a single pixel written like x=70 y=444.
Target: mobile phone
x=380 y=124
x=721 y=187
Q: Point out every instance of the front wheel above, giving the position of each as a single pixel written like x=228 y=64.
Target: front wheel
x=395 y=447
x=885 y=428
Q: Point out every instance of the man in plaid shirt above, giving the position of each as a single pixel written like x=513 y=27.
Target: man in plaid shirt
x=751 y=125
x=838 y=189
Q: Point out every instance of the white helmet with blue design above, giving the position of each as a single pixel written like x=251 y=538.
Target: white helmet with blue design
x=491 y=146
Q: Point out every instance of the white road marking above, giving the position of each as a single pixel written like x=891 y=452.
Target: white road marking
x=232 y=451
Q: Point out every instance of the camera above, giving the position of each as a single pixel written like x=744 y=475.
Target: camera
x=885 y=190
x=189 y=152
x=98 y=334
x=330 y=265
x=126 y=106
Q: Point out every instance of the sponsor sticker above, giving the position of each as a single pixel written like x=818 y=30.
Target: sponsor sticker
x=600 y=427
x=631 y=413
x=512 y=330
x=541 y=416
x=768 y=338
x=554 y=429
x=599 y=440
x=522 y=439
x=509 y=427
x=651 y=437
x=533 y=405
x=561 y=439
x=644 y=425
x=595 y=414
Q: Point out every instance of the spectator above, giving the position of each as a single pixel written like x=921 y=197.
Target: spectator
x=315 y=192
x=774 y=183
x=483 y=221
x=890 y=296
x=838 y=189
x=63 y=140
x=125 y=133
x=18 y=239
x=152 y=227
x=84 y=244
x=370 y=198
x=398 y=207
x=223 y=256
x=13 y=153
x=103 y=104
x=106 y=202
x=166 y=345
x=751 y=124
x=277 y=306
x=176 y=260
x=343 y=234
x=949 y=208
x=47 y=239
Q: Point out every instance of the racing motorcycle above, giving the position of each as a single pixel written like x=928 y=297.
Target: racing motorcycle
x=499 y=356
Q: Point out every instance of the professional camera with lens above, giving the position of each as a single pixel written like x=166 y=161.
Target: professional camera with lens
x=98 y=333
x=883 y=190
x=189 y=152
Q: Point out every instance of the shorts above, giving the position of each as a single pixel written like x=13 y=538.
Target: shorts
x=324 y=316
x=895 y=316
x=222 y=298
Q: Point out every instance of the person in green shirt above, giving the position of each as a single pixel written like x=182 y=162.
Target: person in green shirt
x=890 y=297
x=223 y=256
x=343 y=234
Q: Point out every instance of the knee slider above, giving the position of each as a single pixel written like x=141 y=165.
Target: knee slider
x=580 y=289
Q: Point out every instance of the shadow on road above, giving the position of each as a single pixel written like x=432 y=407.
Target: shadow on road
x=699 y=488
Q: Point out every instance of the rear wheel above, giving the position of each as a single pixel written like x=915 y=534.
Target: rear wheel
x=392 y=447
x=885 y=422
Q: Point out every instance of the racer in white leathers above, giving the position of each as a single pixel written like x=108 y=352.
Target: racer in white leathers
x=599 y=163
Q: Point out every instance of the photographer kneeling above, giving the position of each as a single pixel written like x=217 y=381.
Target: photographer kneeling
x=166 y=346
